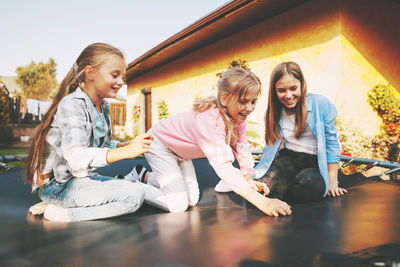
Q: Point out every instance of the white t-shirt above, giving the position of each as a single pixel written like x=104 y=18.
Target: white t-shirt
x=307 y=143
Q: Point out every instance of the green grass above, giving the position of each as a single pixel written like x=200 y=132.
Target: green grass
x=13 y=151
x=12 y=164
x=17 y=164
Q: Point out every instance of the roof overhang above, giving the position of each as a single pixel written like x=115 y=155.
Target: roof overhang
x=230 y=18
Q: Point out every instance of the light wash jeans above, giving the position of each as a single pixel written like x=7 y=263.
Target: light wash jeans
x=94 y=197
x=172 y=185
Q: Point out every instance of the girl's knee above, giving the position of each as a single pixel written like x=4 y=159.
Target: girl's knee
x=307 y=186
x=194 y=199
x=177 y=208
x=276 y=183
x=133 y=194
x=309 y=177
x=178 y=204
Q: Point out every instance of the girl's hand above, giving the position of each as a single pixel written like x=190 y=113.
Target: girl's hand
x=275 y=207
x=270 y=206
x=131 y=149
x=259 y=187
x=336 y=191
x=139 y=145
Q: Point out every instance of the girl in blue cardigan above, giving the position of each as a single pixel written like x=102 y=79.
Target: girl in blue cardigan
x=301 y=156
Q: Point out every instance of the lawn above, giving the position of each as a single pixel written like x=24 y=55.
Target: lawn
x=14 y=151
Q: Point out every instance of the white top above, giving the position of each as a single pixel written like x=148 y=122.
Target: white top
x=307 y=143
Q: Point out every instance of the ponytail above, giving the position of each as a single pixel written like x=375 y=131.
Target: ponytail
x=33 y=163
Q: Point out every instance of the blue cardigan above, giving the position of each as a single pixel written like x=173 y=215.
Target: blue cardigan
x=321 y=120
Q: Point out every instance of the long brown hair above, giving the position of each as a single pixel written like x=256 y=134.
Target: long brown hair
x=274 y=108
x=235 y=83
x=94 y=55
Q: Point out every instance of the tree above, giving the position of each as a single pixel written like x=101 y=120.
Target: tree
x=6 y=132
x=38 y=81
x=238 y=63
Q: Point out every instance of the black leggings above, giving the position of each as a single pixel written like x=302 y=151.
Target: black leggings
x=295 y=176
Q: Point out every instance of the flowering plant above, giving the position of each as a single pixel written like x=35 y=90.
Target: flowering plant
x=162 y=108
x=392 y=128
x=136 y=115
x=353 y=144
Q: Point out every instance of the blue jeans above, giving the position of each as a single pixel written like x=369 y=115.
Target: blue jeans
x=94 y=197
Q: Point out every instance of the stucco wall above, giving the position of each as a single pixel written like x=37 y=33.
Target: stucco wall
x=318 y=35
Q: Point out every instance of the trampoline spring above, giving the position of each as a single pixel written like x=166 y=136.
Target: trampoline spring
x=392 y=171
x=347 y=163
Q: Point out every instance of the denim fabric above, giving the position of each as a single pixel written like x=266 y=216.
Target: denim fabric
x=94 y=197
x=321 y=120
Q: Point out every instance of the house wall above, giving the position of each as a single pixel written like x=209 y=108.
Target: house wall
x=322 y=36
x=370 y=55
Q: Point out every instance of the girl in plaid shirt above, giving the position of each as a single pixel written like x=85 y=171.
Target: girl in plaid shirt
x=74 y=138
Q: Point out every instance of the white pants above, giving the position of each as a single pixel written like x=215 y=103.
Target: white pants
x=172 y=185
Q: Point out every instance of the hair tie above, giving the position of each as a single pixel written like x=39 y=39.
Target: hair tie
x=75 y=66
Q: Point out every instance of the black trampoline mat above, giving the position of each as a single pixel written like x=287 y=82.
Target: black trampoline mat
x=360 y=229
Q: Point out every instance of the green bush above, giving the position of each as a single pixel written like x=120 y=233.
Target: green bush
x=122 y=139
x=6 y=132
x=385 y=100
x=6 y=135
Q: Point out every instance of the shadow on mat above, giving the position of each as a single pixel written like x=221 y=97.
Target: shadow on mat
x=346 y=181
x=254 y=263
x=384 y=255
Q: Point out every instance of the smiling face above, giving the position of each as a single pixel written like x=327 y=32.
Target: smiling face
x=109 y=78
x=288 y=92
x=239 y=109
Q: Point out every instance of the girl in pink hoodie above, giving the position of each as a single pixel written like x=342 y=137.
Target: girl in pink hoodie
x=215 y=128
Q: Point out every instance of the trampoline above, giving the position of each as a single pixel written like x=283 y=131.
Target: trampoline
x=361 y=228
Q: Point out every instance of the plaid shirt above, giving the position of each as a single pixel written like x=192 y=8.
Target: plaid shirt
x=70 y=150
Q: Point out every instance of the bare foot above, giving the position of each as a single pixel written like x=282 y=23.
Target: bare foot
x=38 y=209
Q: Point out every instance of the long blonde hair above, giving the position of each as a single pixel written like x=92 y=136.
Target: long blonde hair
x=274 y=108
x=235 y=83
x=94 y=55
